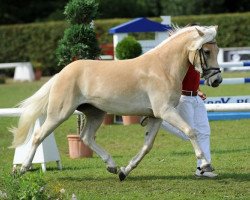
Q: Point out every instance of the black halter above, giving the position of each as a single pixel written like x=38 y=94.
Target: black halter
x=206 y=71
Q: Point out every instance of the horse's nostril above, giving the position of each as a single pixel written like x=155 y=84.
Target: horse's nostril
x=219 y=80
x=216 y=82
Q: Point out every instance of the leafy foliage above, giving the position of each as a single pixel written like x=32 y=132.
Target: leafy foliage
x=31 y=186
x=37 y=42
x=79 y=40
x=128 y=48
x=32 y=42
x=42 y=10
x=81 y=12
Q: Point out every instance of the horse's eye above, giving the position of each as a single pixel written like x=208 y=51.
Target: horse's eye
x=207 y=52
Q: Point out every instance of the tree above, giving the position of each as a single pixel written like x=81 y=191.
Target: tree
x=79 y=40
x=25 y=11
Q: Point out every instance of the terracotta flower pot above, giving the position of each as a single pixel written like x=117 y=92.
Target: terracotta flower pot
x=38 y=74
x=77 y=149
x=108 y=119
x=127 y=120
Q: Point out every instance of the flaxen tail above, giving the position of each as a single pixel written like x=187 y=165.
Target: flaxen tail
x=32 y=108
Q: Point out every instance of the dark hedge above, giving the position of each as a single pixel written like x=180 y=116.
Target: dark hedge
x=37 y=42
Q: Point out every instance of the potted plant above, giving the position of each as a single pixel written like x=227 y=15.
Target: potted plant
x=79 y=42
x=126 y=49
x=77 y=149
x=38 y=69
x=108 y=119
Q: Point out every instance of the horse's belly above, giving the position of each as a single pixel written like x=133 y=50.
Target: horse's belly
x=129 y=107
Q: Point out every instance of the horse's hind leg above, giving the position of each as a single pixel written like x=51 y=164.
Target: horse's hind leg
x=94 y=119
x=151 y=132
x=55 y=116
x=40 y=134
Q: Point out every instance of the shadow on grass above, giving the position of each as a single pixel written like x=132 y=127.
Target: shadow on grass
x=218 y=151
x=227 y=176
x=55 y=169
x=223 y=177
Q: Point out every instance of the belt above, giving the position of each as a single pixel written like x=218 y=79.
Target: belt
x=189 y=93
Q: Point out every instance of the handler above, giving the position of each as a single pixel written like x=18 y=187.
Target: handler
x=192 y=109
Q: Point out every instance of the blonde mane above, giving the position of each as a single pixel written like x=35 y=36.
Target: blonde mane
x=209 y=35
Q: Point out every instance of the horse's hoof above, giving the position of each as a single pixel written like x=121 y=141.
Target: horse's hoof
x=17 y=172
x=112 y=170
x=207 y=168
x=122 y=176
x=23 y=170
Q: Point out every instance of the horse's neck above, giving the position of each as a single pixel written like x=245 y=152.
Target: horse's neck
x=174 y=59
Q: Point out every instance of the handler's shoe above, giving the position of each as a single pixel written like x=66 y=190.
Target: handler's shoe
x=200 y=173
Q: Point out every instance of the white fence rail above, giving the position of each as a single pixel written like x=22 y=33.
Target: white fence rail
x=231 y=81
x=235 y=66
x=228 y=107
x=15 y=112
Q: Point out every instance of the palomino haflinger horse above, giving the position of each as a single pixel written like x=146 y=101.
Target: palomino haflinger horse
x=149 y=85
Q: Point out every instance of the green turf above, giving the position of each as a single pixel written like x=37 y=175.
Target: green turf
x=165 y=173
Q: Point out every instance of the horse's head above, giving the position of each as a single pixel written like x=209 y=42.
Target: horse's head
x=203 y=55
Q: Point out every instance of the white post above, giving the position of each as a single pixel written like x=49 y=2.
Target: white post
x=166 y=20
x=220 y=56
x=47 y=151
x=24 y=72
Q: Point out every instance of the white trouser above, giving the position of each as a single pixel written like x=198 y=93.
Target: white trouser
x=193 y=111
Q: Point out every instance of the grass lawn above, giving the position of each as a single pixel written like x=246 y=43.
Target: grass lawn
x=165 y=173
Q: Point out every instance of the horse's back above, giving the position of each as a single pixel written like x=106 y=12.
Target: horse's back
x=112 y=86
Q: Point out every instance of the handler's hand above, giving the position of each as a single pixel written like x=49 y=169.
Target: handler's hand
x=202 y=95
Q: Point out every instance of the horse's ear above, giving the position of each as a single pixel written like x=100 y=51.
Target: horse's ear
x=216 y=28
x=200 y=32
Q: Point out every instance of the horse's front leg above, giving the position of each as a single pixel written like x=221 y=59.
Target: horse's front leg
x=172 y=116
x=151 y=132
x=94 y=119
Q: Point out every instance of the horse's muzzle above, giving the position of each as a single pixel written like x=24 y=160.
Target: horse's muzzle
x=216 y=83
x=213 y=81
x=212 y=76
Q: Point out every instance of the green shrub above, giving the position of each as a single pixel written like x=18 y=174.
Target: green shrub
x=128 y=48
x=233 y=28
x=31 y=186
x=32 y=42
x=79 y=40
x=81 y=11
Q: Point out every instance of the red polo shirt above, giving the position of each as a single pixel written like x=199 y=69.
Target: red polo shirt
x=191 y=81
